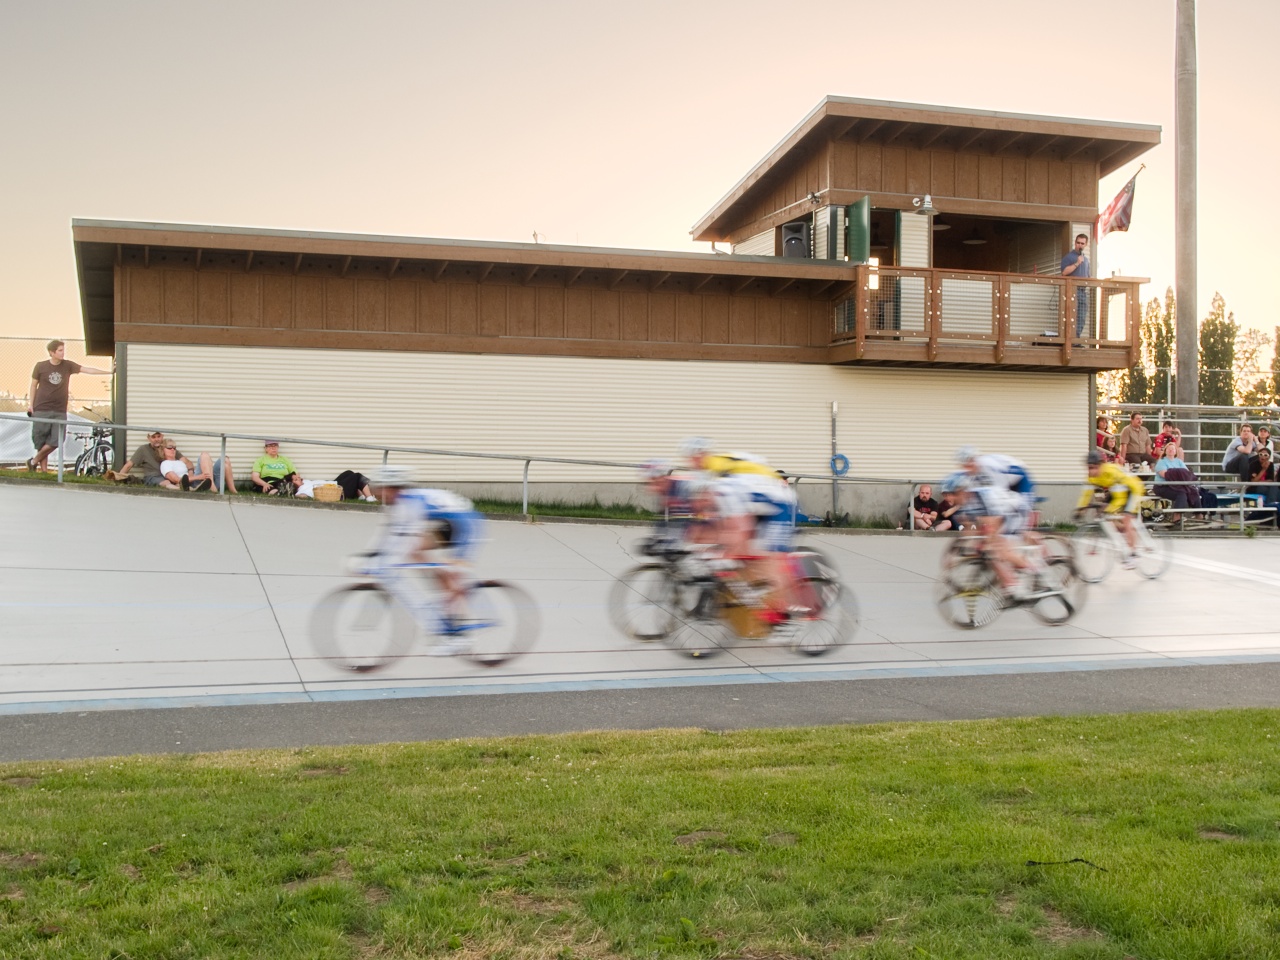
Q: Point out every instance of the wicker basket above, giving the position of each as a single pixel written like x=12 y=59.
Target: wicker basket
x=327 y=492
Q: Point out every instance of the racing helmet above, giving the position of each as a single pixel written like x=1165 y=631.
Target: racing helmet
x=1094 y=458
x=393 y=475
x=693 y=447
x=956 y=482
x=654 y=469
x=966 y=454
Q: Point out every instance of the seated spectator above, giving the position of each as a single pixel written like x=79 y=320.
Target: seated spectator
x=1264 y=440
x=175 y=471
x=355 y=486
x=1103 y=431
x=1108 y=449
x=1262 y=478
x=1239 y=452
x=215 y=477
x=273 y=473
x=948 y=518
x=1171 y=468
x=144 y=465
x=924 y=509
x=1166 y=434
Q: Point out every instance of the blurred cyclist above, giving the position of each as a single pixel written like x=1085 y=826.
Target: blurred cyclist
x=424 y=526
x=998 y=470
x=1126 y=492
x=1000 y=516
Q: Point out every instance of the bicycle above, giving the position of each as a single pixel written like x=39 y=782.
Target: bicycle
x=649 y=601
x=970 y=594
x=1098 y=542
x=95 y=461
x=360 y=627
x=822 y=616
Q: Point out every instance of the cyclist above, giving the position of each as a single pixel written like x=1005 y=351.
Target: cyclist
x=1126 y=492
x=1000 y=516
x=998 y=470
x=425 y=526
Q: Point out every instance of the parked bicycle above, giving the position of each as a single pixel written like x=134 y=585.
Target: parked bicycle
x=361 y=627
x=95 y=461
x=970 y=594
x=1098 y=544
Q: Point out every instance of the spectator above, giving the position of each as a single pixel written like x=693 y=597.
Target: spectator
x=176 y=473
x=1264 y=440
x=1262 y=480
x=145 y=461
x=355 y=486
x=273 y=473
x=1239 y=452
x=1166 y=434
x=924 y=509
x=1075 y=264
x=948 y=518
x=1103 y=431
x=49 y=393
x=1108 y=449
x=1179 y=478
x=1135 y=441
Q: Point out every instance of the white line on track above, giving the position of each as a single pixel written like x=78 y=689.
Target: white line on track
x=1229 y=569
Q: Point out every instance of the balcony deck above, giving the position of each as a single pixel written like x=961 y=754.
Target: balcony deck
x=898 y=315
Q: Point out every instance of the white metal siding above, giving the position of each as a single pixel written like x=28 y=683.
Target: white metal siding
x=893 y=423
x=915 y=236
x=761 y=245
x=821 y=230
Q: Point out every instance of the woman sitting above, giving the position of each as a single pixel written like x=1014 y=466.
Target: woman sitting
x=1175 y=481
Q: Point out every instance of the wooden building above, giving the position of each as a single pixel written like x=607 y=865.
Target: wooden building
x=836 y=290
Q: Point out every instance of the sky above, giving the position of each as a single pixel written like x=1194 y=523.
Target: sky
x=594 y=123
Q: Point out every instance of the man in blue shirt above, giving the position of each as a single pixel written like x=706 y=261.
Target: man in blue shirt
x=1076 y=264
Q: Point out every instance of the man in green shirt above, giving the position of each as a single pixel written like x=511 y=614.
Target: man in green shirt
x=274 y=474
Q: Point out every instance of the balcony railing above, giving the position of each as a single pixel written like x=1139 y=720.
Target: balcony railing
x=945 y=316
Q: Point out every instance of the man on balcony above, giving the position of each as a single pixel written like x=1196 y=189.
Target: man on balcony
x=1076 y=265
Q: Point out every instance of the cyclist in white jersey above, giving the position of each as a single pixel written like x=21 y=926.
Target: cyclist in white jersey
x=424 y=526
x=1001 y=517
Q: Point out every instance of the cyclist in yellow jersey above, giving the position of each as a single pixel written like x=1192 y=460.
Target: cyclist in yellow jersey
x=1126 y=491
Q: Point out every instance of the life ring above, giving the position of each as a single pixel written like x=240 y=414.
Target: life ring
x=839 y=464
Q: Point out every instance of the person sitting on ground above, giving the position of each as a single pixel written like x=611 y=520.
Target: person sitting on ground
x=177 y=476
x=355 y=486
x=274 y=473
x=1178 y=479
x=145 y=463
x=948 y=514
x=1239 y=452
x=924 y=509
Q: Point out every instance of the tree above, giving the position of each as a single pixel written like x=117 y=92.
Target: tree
x=1218 y=332
x=1254 y=389
x=1159 y=336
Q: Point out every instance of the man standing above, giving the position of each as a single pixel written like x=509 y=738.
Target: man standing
x=50 y=390
x=1135 y=441
x=1076 y=265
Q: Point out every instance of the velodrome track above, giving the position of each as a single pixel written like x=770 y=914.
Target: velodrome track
x=115 y=602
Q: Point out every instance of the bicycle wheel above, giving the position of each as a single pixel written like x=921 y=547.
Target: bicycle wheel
x=1094 y=555
x=644 y=602
x=959 y=550
x=829 y=618
x=501 y=622
x=359 y=627
x=1068 y=593
x=1057 y=545
x=968 y=596
x=1154 y=555
x=704 y=630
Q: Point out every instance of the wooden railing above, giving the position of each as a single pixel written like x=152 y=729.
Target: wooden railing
x=947 y=316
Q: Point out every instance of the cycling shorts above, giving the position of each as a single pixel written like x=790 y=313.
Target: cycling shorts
x=1123 y=500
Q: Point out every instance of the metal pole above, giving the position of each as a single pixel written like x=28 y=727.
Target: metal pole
x=222 y=474
x=835 y=484
x=1187 y=329
x=524 y=506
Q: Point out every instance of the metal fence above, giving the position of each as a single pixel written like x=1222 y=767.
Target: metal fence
x=1206 y=430
x=18 y=355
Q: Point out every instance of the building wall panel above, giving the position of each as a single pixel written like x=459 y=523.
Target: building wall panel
x=402 y=306
x=463 y=308
x=371 y=305
x=308 y=307
x=246 y=300
x=662 y=317
x=606 y=314
x=179 y=296
x=616 y=410
x=339 y=305
x=577 y=313
x=277 y=302
x=212 y=299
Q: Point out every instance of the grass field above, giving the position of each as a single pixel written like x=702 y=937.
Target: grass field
x=892 y=841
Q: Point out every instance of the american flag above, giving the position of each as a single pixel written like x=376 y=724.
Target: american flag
x=1119 y=211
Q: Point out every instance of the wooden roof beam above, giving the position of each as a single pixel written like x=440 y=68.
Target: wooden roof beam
x=297 y=263
x=439 y=270
x=866 y=133
x=530 y=272
x=659 y=280
x=743 y=284
x=707 y=278
x=820 y=287
x=1045 y=144
x=572 y=278
x=248 y=260
x=970 y=140
x=119 y=254
x=346 y=265
x=1072 y=154
x=395 y=265
x=146 y=255
x=932 y=138
x=902 y=128
x=484 y=272
x=618 y=277
x=781 y=285
x=1009 y=140
x=844 y=126
x=199 y=254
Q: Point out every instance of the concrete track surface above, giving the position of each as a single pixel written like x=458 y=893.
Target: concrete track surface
x=114 y=608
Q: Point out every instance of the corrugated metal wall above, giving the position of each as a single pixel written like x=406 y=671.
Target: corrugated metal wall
x=761 y=245
x=892 y=423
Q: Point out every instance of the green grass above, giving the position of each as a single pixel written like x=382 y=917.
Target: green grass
x=562 y=508
x=896 y=842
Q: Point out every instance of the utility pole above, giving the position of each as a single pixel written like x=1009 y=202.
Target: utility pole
x=1187 y=331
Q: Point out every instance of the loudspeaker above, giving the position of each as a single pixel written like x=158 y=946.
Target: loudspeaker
x=795 y=240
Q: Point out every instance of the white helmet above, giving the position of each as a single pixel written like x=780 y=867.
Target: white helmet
x=692 y=447
x=653 y=469
x=956 y=482
x=393 y=475
x=966 y=454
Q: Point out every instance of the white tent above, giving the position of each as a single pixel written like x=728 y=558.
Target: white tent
x=15 y=441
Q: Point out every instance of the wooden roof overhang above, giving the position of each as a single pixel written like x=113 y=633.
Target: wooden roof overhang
x=1108 y=144
x=102 y=246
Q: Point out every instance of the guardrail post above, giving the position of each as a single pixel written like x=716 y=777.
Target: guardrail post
x=385 y=455
x=524 y=490
x=222 y=474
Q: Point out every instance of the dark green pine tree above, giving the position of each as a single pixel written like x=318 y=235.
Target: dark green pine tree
x=1218 y=333
x=1160 y=340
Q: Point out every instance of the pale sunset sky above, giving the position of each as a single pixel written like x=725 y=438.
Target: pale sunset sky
x=590 y=122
